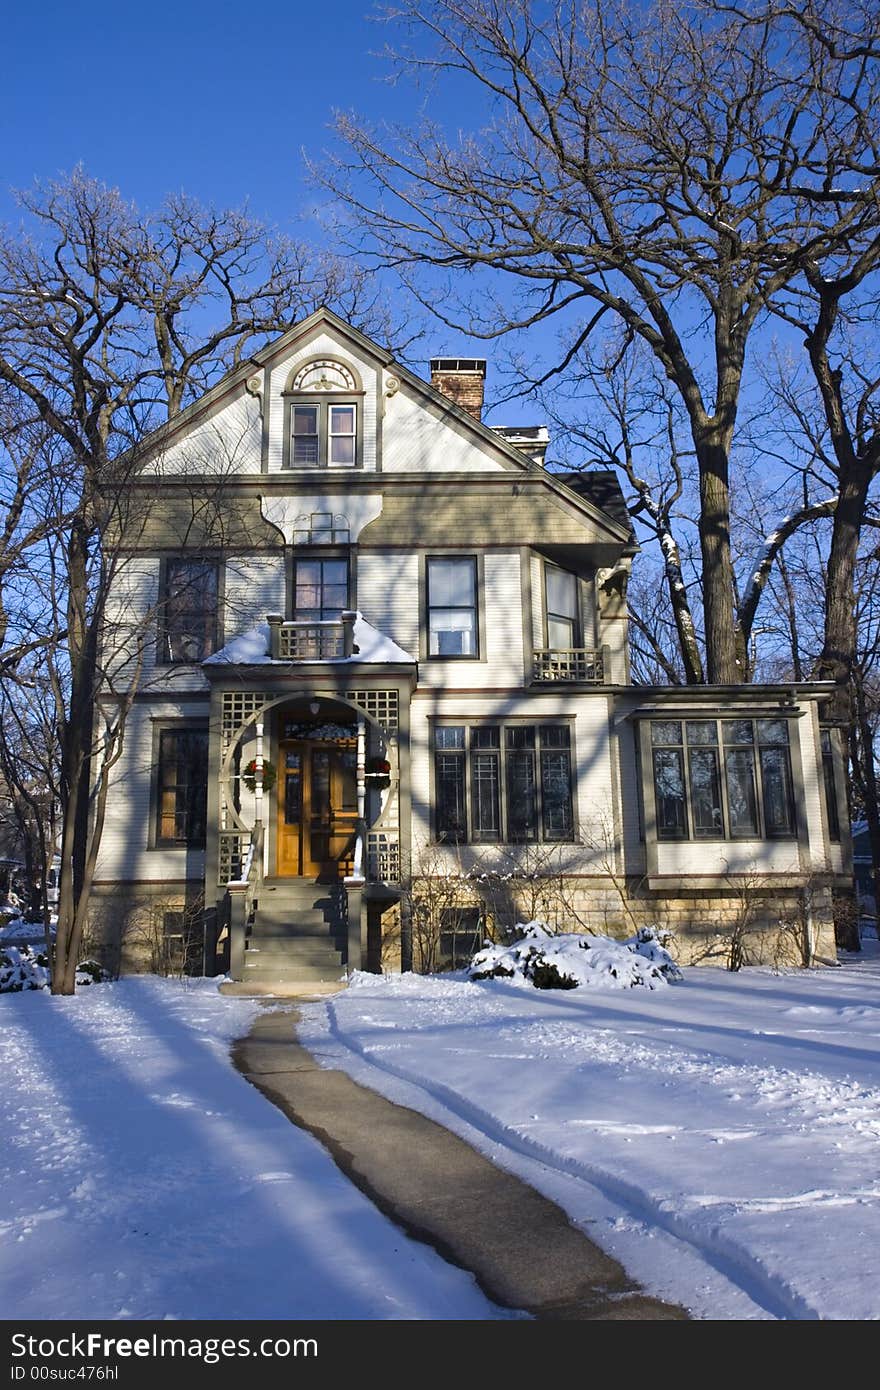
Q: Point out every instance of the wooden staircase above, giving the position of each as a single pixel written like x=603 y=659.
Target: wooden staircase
x=297 y=936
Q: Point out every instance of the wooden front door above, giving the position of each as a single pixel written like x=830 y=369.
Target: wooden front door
x=317 y=807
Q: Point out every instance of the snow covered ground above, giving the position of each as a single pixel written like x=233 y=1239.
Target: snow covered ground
x=719 y=1136
x=142 y=1177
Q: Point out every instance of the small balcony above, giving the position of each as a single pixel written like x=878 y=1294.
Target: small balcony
x=330 y=640
x=555 y=665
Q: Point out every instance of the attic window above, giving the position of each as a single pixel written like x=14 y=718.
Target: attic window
x=323 y=424
x=321 y=528
x=324 y=376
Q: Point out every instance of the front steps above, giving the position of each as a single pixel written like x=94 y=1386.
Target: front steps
x=297 y=938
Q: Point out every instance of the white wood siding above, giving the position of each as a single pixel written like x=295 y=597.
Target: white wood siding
x=388 y=595
x=131 y=617
x=806 y=734
x=537 y=565
x=724 y=857
x=255 y=587
x=228 y=441
x=322 y=345
x=418 y=438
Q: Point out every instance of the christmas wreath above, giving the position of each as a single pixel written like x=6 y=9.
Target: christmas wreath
x=249 y=775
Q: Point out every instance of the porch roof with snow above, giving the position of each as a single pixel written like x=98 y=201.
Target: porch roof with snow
x=371 y=648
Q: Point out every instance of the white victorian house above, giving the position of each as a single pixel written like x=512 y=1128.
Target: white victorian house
x=386 y=648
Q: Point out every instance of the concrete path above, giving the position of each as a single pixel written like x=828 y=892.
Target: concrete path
x=521 y=1248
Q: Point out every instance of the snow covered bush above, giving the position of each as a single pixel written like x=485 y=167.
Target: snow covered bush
x=652 y=943
x=546 y=960
x=22 y=967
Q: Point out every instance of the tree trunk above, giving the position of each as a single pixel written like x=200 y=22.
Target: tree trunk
x=837 y=658
x=722 y=666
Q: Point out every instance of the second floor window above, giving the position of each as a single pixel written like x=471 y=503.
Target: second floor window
x=452 y=606
x=189 y=610
x=320 y=589
x=561 y=597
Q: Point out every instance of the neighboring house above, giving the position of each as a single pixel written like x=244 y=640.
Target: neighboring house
x=387 y=651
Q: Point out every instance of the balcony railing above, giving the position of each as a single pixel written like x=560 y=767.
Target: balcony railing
x=553 y=664
x=331 y=640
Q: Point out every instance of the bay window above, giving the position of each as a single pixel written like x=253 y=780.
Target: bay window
x=722 y=779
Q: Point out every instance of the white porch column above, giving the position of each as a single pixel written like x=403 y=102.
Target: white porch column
x=361 y=767
x=258 y=777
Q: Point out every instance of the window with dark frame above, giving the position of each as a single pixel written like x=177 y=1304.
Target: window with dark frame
x=830 y=783
x=452 y=606
x=182 y=800
x=563 y=610
x=189 y=610
x=460 y=936
x=503 y=782
x=320 y=587
x=323 y=434
x=722 y=779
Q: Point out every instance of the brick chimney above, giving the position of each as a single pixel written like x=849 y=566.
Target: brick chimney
x=462 y=379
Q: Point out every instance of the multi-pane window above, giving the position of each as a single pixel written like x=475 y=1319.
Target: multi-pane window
x=341 y=433
x=452 y=606
x=320 y=589
x=306 y=435
x=182 y=800
x=722 y=779
x=830 y=782
x=188 y=611
x=561 y=597
x=323 y=434
x=503 y=782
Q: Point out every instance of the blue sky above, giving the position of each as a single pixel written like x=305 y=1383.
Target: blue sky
x=217 y=99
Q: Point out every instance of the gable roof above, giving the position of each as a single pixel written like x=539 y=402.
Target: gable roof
x=601 y=486
x=513 y=459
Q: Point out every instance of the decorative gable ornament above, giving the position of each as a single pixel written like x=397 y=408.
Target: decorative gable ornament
x=324 y=376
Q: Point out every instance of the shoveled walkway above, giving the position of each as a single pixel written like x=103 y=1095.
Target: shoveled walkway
x=521 y=1248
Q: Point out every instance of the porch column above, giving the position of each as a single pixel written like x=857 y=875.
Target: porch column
x=258 y=777
x=361 y=768
x=354 y=884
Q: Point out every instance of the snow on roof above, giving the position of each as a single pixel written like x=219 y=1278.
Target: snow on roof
x=252 y=649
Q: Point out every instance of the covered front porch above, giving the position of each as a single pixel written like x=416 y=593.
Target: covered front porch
x=308 y=803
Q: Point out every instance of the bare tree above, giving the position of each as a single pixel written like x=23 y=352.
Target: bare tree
x=110 y=322
x=671 y=167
